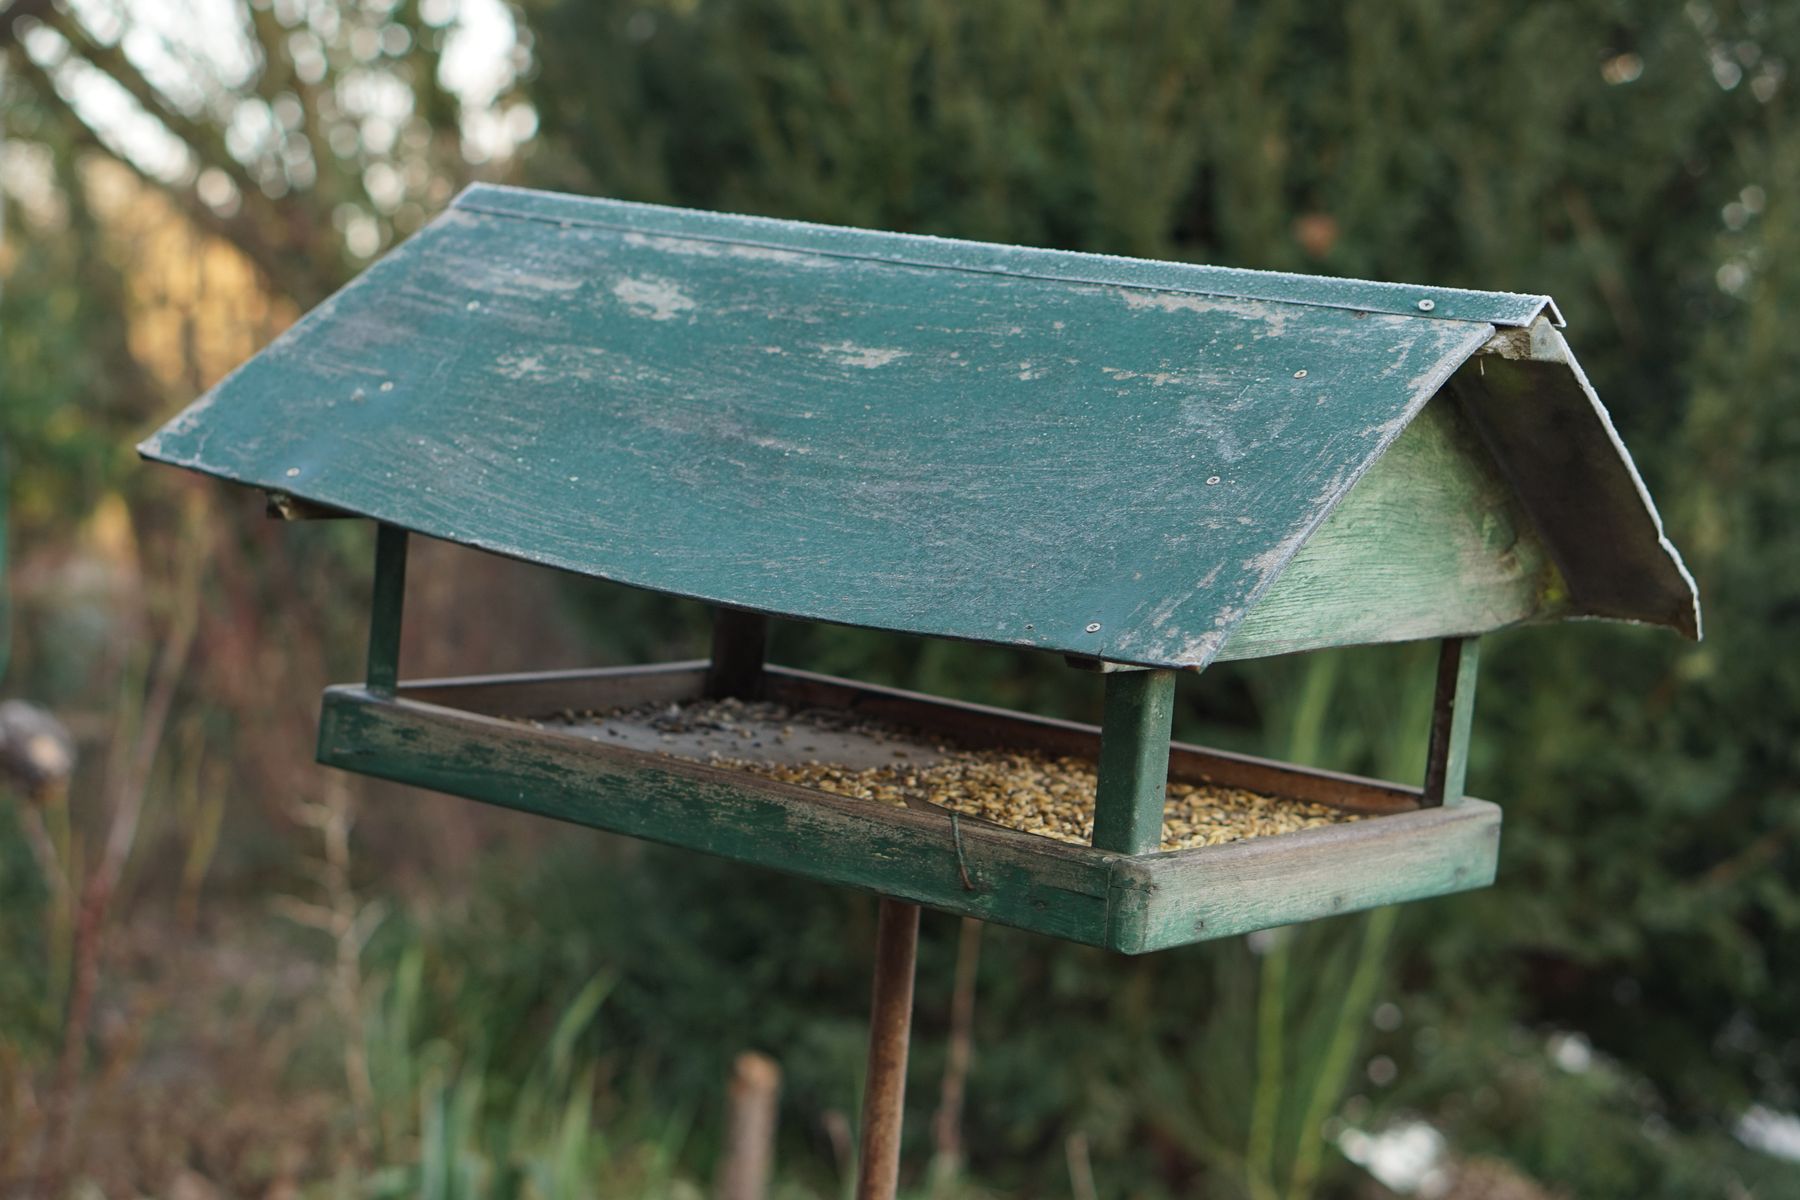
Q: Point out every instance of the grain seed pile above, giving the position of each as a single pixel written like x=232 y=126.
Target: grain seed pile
x=846 y=756
x=1053 y=796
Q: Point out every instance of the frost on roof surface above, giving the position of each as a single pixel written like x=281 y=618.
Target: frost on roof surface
x=1093 y=456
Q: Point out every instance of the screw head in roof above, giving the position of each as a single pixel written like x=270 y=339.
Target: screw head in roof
x=1093 y=627
x=1427 y=305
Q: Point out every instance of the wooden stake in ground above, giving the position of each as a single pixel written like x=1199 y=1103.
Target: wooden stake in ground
x=946 y=1127
x=890 y=1027
x=749 y=1149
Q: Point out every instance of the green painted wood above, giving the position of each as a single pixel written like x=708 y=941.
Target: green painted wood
x=1452 y=715
x=851 y=427
x=1017 y=879
x=1132 y=904
x=957 y=722
x=386 y=607
x=1169 y=900
x=722 y=231
x=1431 y=542
x=1134 y=761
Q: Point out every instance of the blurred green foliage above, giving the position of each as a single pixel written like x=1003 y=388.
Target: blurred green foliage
x=62 y=336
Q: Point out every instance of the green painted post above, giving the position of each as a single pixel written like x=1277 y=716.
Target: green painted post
x=385 y=608
x=1447 y=756
x=1134 y=761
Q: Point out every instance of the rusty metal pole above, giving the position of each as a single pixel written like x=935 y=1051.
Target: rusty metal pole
x=890 y=1028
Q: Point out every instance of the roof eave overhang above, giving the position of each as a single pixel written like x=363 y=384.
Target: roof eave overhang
x=1556 y=444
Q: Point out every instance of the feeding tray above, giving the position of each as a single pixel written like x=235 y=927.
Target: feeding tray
x=467 y=737
x=837 y=751
x=1140 y=467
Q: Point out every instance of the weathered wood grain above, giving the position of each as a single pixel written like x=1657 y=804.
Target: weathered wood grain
x=882 y=430
x=1134 y=761
x=1430 y=543
x=910 y=854
x=959 y=722
x=927 y=856
x=873 y=438
x=1191 y=895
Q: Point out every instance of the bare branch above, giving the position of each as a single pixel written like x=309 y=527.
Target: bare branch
x=206 y=141
x=291 y=272
x=14 y=14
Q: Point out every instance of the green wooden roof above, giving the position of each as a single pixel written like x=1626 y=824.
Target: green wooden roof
x=1098 y=456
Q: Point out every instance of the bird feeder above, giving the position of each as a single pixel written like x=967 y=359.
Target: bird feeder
x=1142 y=467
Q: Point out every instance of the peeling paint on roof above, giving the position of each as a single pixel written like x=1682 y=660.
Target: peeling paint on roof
x=944 y=438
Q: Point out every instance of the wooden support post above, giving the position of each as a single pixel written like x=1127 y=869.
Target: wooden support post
x=385 y=608
x=740 y=641
x=890 y=1028
x=1134 y=761
x=1447 y=754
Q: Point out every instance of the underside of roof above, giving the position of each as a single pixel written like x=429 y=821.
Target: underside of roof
x=1556 y=445
x=1102 y=457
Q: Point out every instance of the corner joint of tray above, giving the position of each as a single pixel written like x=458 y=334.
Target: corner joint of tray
x=1129 y=893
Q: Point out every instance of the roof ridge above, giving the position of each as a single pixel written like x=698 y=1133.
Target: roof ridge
x=1276 y=287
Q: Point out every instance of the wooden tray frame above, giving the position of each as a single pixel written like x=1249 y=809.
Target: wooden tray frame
x=452 y=736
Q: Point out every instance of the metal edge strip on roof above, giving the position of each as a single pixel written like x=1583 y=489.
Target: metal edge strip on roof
x=1697 y=631
x=1501 y=309
x=151 y=447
